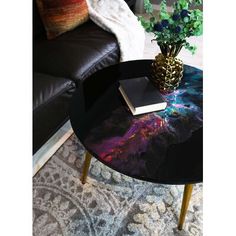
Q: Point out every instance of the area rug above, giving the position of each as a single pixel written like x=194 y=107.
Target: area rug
x=109 y=204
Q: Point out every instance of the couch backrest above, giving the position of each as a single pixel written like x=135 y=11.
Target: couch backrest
x=38 y=28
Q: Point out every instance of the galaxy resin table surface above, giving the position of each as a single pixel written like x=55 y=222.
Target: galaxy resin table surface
x=162 y=147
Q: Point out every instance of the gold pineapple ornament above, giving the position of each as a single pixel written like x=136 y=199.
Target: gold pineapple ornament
x=167 y=70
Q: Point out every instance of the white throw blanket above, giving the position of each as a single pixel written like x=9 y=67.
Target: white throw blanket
x=116 y=17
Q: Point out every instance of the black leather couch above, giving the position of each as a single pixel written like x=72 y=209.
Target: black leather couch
x=60 y=65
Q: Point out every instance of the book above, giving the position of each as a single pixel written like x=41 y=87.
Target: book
x=141 y=96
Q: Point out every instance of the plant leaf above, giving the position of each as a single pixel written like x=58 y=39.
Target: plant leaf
x=148 y=6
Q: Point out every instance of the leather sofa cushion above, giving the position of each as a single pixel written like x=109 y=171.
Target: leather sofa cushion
x=77 y=53
x=130 y=2
x=38 y=28
x=47 y=88
x=51 y=100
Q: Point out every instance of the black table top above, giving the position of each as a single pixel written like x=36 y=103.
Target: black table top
x=161 y=147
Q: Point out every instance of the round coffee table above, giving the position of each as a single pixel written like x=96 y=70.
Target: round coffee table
x=162 y=147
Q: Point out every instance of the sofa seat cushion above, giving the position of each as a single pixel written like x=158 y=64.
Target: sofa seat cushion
x=47 y=88
x=76 y=54
x=51 y=99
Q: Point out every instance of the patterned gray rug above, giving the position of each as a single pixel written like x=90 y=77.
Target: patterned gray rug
x=109 y=203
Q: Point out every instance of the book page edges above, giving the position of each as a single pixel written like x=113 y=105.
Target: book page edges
x=144 y=109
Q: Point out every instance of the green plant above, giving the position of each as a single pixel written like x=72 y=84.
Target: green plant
x=171 y=28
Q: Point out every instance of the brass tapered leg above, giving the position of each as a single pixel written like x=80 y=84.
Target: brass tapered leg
x=185 y=202
x=86 y=167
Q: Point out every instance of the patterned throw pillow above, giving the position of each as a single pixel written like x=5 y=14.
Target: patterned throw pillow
x=59 y=16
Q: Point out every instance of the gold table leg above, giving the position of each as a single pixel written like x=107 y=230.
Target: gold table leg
x=185 y=202
x=86 y=167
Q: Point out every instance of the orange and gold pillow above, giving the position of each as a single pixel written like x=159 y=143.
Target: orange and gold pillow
x=59 y=16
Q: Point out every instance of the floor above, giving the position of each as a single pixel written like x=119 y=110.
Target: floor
x=51 y=146
x=150 y=51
